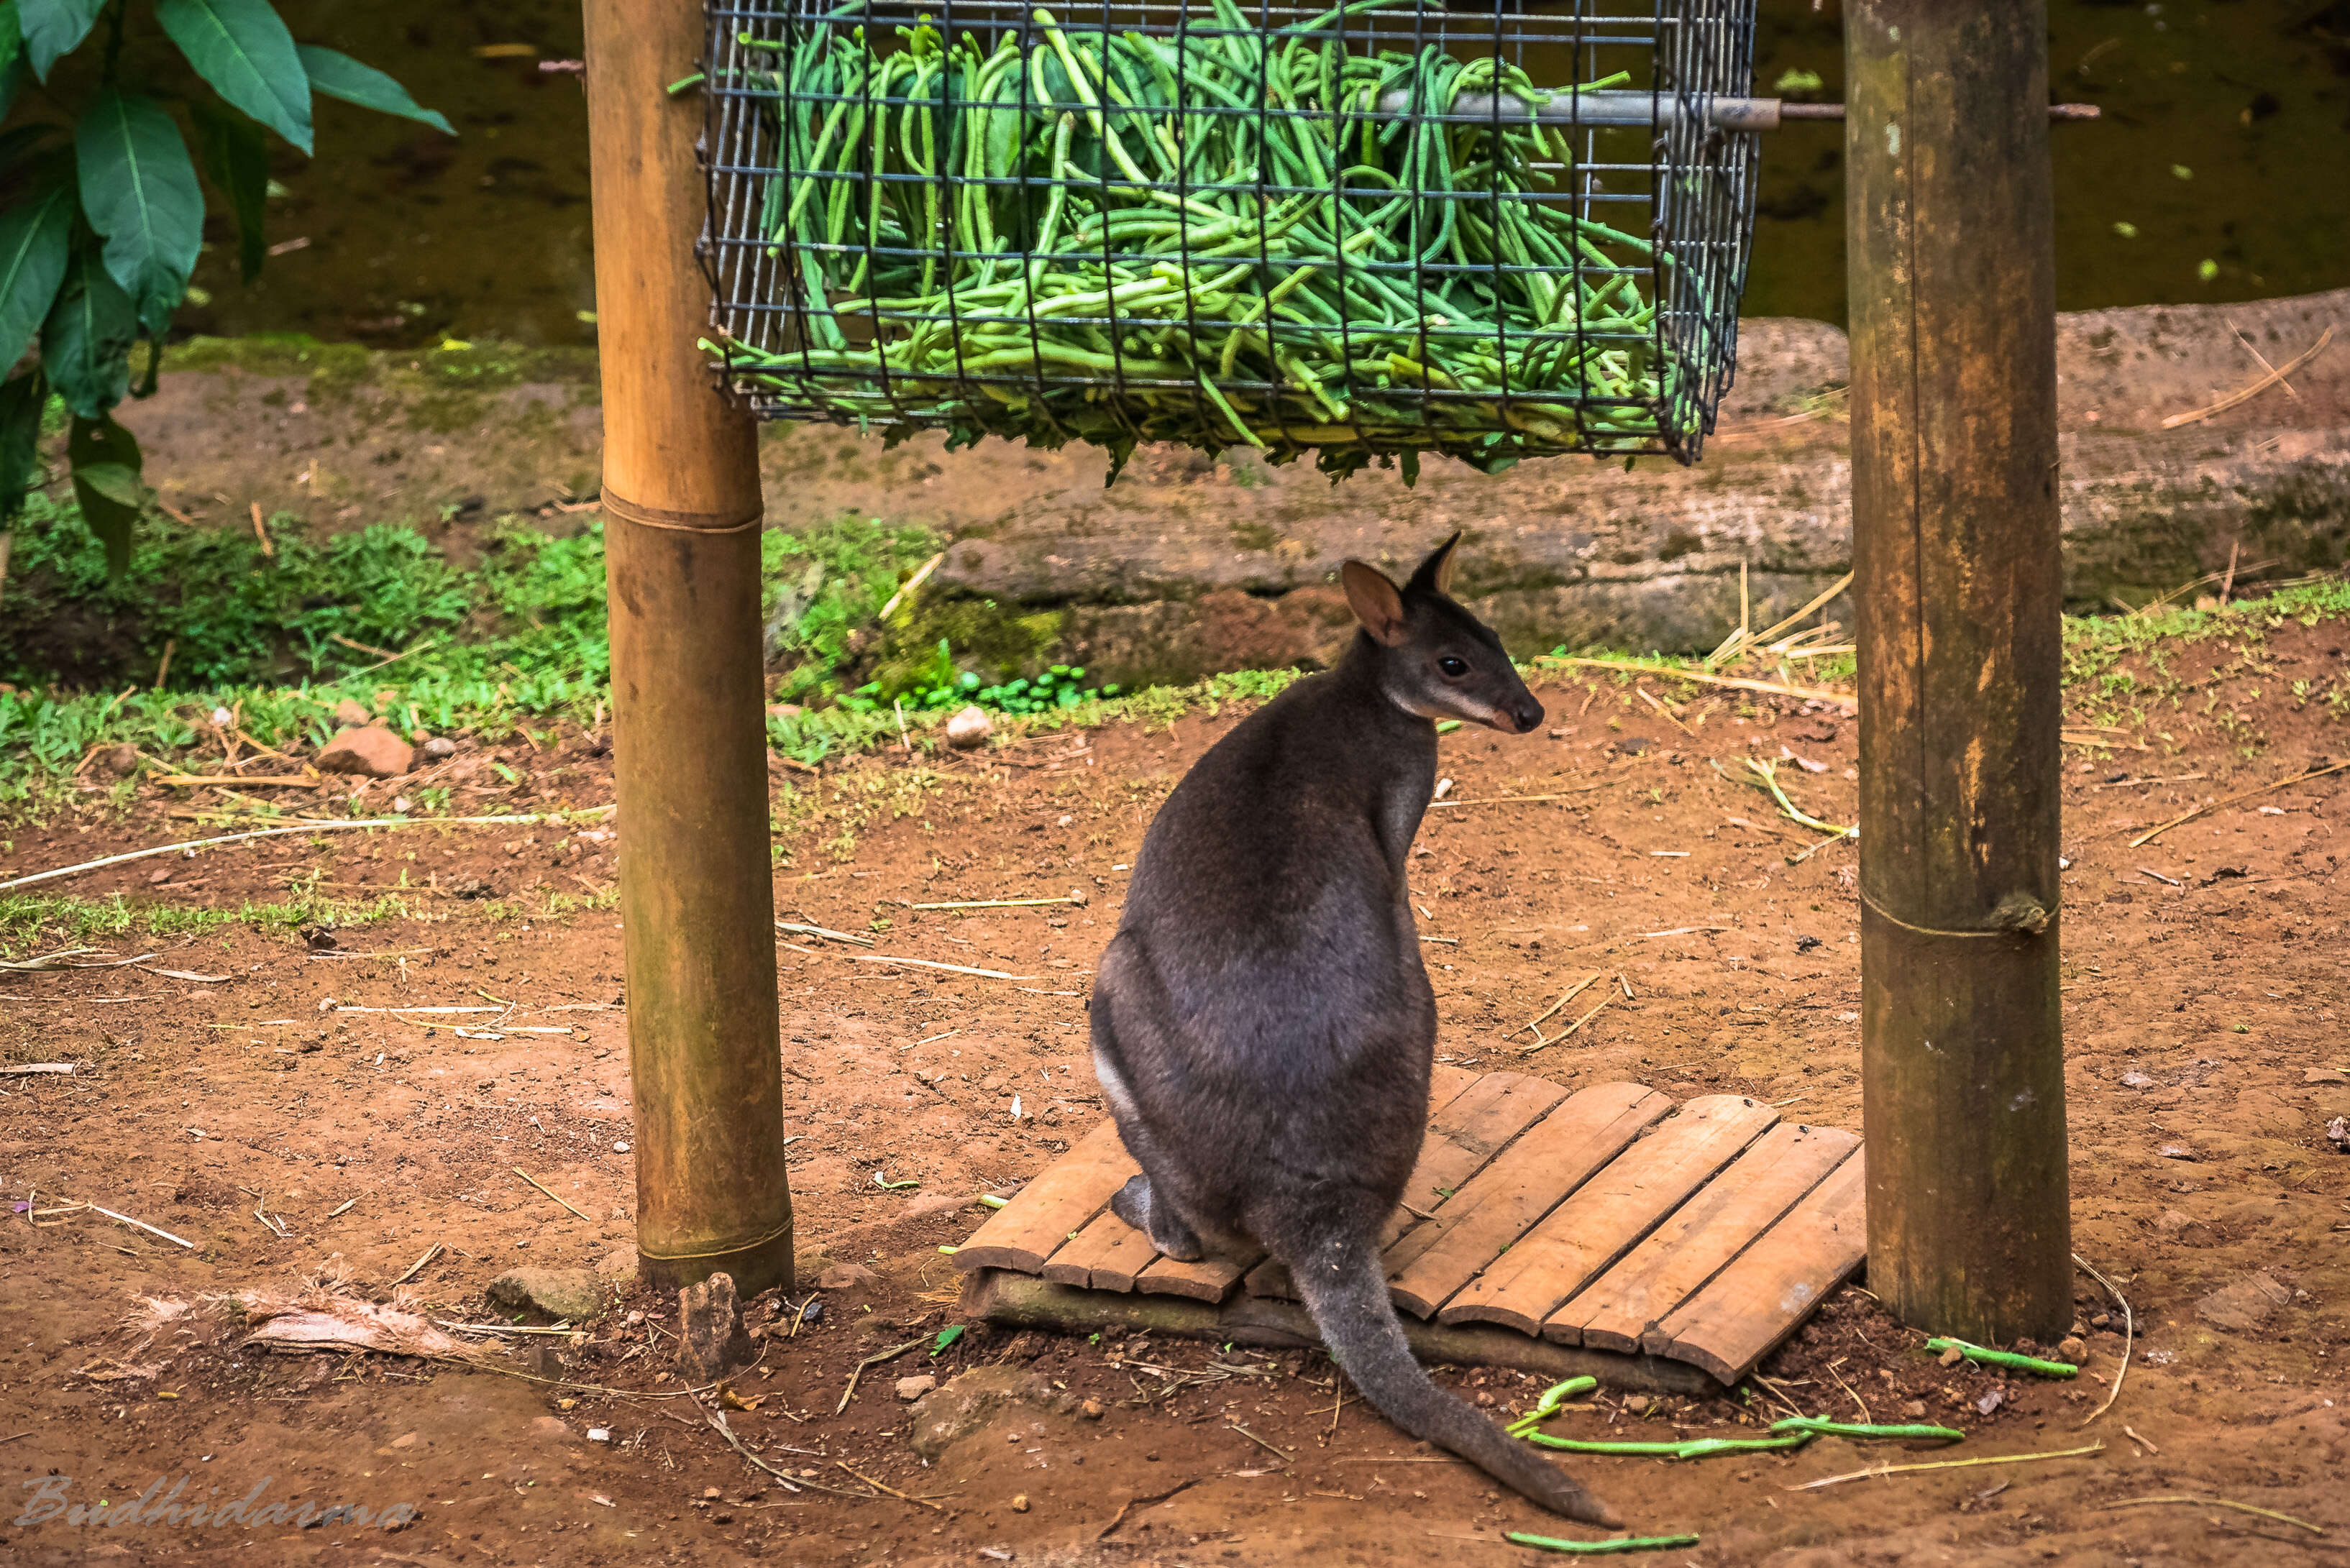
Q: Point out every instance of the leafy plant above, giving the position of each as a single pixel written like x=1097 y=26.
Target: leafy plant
x=100 y=234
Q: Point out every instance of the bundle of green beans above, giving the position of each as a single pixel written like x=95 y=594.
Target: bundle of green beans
x=1085 y=248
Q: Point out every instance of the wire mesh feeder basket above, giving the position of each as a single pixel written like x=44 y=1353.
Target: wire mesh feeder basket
x=1371 y=231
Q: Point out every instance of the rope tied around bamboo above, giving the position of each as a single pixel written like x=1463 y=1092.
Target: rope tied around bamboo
x=1213 y=234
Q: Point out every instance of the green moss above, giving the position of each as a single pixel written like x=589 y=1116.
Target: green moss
x=989 y=639
x=339 y=368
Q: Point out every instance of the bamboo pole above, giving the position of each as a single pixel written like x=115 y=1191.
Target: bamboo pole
x=1951 y=257
x=682 y=507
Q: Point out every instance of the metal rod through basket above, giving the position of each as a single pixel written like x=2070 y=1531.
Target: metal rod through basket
x=1623 y=107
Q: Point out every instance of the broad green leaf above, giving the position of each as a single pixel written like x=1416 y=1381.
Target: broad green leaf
x=53 y=27
x=238 y=161
x=86 y=341
x=114 y=482
x=12 y=35
x=340 y=76
x=20 y=437
x=242 y=48
x=33 y=239
x=103 y=449
x=139 y=190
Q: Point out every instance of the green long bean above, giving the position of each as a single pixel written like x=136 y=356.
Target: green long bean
x=1208 y=238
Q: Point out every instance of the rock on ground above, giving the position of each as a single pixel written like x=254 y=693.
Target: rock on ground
x=1189 y=563
x=573 y=1294
x=712 y=1340
x=370 y=749
x=2244 y=1305
x=947 y=1415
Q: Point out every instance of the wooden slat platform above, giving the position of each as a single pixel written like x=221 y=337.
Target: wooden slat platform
x=1646 y=1234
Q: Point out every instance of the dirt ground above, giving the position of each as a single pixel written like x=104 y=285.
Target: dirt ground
x=2207 y=985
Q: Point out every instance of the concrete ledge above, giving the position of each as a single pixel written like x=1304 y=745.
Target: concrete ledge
x=1188 y=565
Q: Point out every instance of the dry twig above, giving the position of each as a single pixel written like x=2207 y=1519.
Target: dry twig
x=2217 y=1503
x=2154 y=833
x=337 y=825
x=534 y=1181
x=1876 y=1471
x=2129 y=1333
x=2253 y=388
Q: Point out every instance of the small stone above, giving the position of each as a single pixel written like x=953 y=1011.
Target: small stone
x=2076 y=1351
x=372 y=751
x=968 y=1404
x=2337 y=1133
x=1020 y=1503
x=710 y=1494
x=2136 y=1081
x=912 y=1388
x=968 y=728
x=2325 y=1076
x=2171 y=1222
x=1952 y=1356
x=599 y=1434
x=1915 y=1410
x=119 y=760
x=440 y=746
x=2178 y=1151
x=1091 y=1409
x=1635 y=1403
x=2245 y=1304
x=352 y=716
x=571 y=1294
x=1079 y=896
x=711 y=1341
x=844 y=1277
x=618 y=1266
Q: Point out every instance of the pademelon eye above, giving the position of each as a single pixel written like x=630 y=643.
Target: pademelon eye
x=1452 y=667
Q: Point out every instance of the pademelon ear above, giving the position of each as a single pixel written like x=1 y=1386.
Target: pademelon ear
x=1435 y=574
x=1376 y=602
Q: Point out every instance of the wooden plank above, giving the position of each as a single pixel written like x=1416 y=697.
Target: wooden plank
x=1464 y=1139
x=1608 y=1214
x=1106 y=1256
x=1210 y=1279
x=1700 y=1236
x=1056 y=1204
x=1022 y=1301
x=1463 y=1133
x=1749 y=1307
x=1446 y=1084
x=1524 y=1182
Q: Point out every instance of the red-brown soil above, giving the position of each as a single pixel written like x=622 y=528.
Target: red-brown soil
x=2208 y=985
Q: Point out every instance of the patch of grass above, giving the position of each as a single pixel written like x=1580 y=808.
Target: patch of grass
x=824 y=588
x=519 y=639
x=48 y=921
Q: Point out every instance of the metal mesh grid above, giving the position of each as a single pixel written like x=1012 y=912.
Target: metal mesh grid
x=1380 y=230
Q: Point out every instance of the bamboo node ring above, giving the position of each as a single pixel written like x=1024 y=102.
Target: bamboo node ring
x=708 y=524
